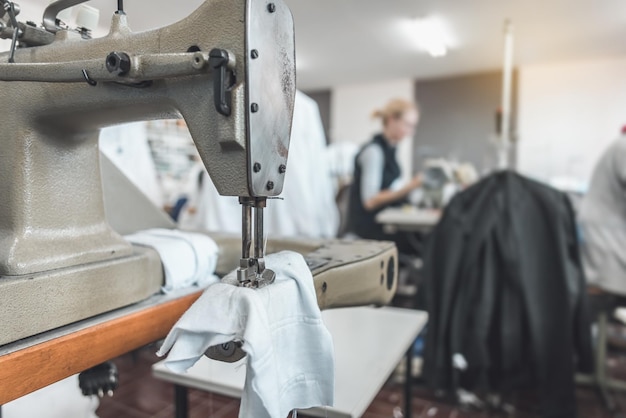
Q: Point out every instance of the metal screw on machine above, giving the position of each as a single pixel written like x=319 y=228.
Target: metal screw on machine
x=256 y=167
x=282 y=169
x=118 y=63
x=254 y=54
x=270 y=185
x=271 y=7
x=254 y=107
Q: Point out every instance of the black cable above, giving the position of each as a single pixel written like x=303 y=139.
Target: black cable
x=120 y=6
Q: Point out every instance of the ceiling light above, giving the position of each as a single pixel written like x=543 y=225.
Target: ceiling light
x=431 y=35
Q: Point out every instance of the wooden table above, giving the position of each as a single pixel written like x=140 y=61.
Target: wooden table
x=369 y=343
x=408 y=219
x=36 y=362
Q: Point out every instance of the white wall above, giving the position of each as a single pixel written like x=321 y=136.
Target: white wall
x=568 y=114
x=351 y=114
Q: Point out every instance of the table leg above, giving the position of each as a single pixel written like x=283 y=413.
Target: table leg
x=408 y=383
x=181 y=406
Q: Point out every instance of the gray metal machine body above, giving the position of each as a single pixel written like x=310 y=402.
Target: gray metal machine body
x=228 y=69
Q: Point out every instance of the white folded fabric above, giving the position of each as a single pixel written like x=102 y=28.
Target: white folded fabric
x=188 y=258
x=290 y=361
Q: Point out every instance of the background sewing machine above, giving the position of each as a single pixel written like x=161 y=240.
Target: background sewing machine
x=439 y=184
x=229 y=71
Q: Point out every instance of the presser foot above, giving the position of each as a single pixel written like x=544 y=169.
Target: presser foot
x=252 y=273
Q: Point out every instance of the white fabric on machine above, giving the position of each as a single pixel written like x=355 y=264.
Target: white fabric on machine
x=188 y=258
x=290 y=361
x=308 y=207
x=59 y=400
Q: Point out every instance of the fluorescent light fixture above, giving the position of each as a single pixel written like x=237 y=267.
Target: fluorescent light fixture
x=431 y=35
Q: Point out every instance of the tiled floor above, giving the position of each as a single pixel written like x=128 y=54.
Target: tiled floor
x=142 y=396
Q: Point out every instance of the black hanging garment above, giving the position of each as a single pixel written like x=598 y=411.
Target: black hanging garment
x=506 y=294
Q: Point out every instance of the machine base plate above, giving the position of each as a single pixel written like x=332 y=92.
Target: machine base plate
x=35 y=303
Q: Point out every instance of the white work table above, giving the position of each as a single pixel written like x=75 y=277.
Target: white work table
x=369 y=343
x=409 y=219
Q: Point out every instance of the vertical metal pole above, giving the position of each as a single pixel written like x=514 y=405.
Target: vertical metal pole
x=16 y=30
x=601 y=377
x=180 y=402
x=258 y=232
x=408 y=383
x=601 y=347
x=246 y=230
x=507 y=83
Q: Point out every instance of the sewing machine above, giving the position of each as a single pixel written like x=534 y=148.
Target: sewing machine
x=229 y=70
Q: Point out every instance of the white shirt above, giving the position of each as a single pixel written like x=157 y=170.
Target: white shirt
x=290 y=354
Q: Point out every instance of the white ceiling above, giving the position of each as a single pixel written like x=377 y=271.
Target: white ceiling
x=351 y=41
x=355 y=40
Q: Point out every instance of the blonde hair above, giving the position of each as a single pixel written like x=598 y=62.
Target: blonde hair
x=394 y=109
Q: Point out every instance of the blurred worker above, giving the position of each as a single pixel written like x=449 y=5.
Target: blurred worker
x=377 y=177
x=603 y=222
x=307 y=205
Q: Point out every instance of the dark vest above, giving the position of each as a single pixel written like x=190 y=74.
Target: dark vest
x=361 y=221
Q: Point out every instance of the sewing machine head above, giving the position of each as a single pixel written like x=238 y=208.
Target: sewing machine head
x=228 y=69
